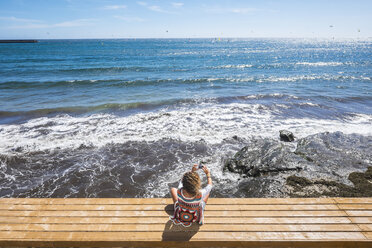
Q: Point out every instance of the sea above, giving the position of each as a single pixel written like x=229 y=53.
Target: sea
x=127 y=117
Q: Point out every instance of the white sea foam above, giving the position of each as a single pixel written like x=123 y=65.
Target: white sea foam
x=183 y=53
x=211 y=123
x=309 y=104
x=321 y=63
x=295 y=78
x=234 y=66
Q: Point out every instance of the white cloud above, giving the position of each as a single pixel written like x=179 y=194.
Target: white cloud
x=177 y=5
x=34 y=24
x=115 y=7
x=243 y=10
x=72 y=23
x=130 y=18
x=16 y=19
x=219 y=10
x=29 y=26
x=155 y=8
x=142 y=3
x=75 y=23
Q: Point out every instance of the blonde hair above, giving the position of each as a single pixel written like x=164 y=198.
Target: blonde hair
x=191 y=183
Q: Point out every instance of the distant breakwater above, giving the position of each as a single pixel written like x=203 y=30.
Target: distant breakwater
x=19 y=41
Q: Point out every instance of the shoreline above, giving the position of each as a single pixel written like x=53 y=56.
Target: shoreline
x=319 y=165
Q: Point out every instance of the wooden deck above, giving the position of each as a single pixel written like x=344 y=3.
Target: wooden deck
x=250 y=222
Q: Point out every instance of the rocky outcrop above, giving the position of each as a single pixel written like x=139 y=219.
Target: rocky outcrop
x=303 y=187
x=262 y=156
x=336 y=153
x=324 y=164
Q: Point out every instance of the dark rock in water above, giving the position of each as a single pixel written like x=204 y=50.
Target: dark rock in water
x=258 y=187
x=324 y=164
x=18 y=149
x=336 y=153
x=303 y=187
x=286 y=136
x=262 y=156
x=335 y=160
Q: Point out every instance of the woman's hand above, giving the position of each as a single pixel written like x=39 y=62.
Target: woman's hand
x=208 y=174
x=206 y=171
x=195 y=167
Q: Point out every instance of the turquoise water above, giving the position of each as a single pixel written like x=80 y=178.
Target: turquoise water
x=110 y=75
x=94 y=114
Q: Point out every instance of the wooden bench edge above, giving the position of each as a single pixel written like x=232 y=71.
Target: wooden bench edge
x=253 y=243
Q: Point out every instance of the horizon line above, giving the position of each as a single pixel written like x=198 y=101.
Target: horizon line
x=214 y=37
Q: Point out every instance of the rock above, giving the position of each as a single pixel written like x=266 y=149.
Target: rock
x=323 y=164
x=263 y=156
x=259 y=187
x=303 y=187
x=286 y=136
x=18 y=149
x=336 y=154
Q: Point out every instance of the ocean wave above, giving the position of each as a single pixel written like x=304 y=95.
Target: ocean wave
x=91 y=71
x=241 y=66
x=322 y=63
x=122 y=82
x=49 y=84
x=299 y=78
x=149 y=168
x=114 y=69
x=290 y=65
x=86 y=83
x=209 y=122
x=114 y=107
x=82 y=109
x=185 y=53
x=289 y=101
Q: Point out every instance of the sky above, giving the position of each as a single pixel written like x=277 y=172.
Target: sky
x=72 y=19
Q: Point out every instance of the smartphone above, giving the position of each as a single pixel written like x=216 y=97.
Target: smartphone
x=200 y=166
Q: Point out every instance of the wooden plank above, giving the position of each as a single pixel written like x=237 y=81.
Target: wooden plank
x=95 y=207
x=151 y=201
x=80 y=201
x=158 y=236
x=204 y=228
x=354 y=200
x=355 y=206
x=159 y=207
x=208 y=213
x=359 y=213
x=368 y=235
x=161 y=220
x=200 y=244
x=361 y=220
x=366 y=227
